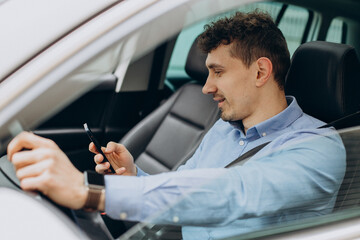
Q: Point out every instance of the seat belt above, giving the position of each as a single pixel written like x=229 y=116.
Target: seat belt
x=246 y=156
x=347 y=121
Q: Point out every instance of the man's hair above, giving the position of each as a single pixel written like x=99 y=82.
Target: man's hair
x=254 y=35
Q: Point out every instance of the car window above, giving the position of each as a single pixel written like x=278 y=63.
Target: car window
x=293 y=24
x=337 y=31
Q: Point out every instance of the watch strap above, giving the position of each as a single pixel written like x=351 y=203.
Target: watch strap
x=93 y=199
x=94 y=184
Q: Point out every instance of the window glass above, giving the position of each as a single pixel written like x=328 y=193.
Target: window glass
x=293 y=24
x=181 y=49
x=335 y=31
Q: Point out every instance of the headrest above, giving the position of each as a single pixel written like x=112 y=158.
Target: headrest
x=195 y=64
x=325 y=79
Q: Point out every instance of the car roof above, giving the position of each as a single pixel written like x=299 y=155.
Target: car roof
x=37 y=24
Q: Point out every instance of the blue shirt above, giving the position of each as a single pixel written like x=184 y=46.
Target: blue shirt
x=296 y=176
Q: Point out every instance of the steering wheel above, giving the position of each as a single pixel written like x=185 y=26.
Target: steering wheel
x=90 y=222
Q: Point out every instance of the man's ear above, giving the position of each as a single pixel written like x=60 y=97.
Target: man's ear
x=264 y=68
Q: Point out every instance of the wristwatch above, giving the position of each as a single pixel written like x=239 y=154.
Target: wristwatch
x=95 y=185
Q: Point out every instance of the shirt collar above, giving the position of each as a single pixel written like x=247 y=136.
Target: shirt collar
x=274 y=124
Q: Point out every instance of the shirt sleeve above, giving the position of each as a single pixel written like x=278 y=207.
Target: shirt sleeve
x=140 y=172
x=299 y=177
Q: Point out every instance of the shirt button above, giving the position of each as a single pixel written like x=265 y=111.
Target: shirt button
x=264 y=134
x=241 y=143
x=123 y=215
x=176 y=219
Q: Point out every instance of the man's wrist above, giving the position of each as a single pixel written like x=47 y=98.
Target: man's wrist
x=95 y=187
x=101 y=206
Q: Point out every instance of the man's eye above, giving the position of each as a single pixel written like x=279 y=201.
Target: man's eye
x=217 y=73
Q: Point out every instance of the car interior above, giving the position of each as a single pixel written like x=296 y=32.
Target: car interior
x=163 y=122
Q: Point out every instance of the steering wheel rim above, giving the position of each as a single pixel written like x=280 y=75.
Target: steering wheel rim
x=88 y=221
x=8 y=172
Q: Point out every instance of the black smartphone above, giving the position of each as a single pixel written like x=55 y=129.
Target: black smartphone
x=97 y=145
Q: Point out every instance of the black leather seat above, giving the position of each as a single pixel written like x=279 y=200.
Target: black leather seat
x=169 y=136
x=325 y=79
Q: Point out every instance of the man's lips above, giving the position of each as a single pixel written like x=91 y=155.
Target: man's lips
x=220 y=100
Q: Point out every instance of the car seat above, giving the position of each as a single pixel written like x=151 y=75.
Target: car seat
x=325 y=79
x=169 y=136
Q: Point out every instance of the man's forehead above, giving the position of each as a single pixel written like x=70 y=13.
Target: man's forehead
x=212 y=62
x=218 y=56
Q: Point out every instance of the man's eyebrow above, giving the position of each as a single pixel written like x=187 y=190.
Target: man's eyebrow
x=214 y=65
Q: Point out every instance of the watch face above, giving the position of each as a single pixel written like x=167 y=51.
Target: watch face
x=94 y=178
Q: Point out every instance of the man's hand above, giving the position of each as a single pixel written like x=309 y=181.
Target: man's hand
x=119 y=157
x=44 y=167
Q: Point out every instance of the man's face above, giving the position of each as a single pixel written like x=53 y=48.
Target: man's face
x=231 y=83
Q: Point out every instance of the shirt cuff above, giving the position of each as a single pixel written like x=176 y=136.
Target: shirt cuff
x=140 y=172
x=123 y=196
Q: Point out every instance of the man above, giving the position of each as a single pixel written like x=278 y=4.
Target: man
x=297 y=175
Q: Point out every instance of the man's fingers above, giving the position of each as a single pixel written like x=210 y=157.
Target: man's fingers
x=110 y=148
x=27 y=140
x=98 y=158
x=34 y=184
x=33 y=170
x=102 y=167
x=120 y=171
x=114 y=147
x=25 y=158
x=92 y=148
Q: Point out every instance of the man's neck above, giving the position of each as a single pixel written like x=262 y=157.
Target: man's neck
x=266 y=109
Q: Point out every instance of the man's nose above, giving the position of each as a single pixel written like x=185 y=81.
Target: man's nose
x=209 y=87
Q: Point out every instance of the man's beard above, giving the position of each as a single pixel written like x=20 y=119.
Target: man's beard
x=225 y=117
